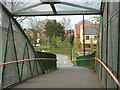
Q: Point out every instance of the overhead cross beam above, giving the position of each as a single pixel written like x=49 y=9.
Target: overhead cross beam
x=29 y=7
x=80 y=6
x=59 y=13
x=53 y=8
x=88 y=11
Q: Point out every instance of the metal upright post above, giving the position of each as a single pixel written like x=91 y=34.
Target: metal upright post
x=102 y=45
x=83 y=37
x=70 y=45
x=118 y=62
x=107 y=43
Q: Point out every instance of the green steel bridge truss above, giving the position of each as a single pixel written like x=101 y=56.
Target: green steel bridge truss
x=15 y=46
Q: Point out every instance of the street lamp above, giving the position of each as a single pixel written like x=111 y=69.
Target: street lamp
x=70 y=43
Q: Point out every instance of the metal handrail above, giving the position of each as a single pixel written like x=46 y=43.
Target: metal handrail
x=107 y=69
x=32 y=59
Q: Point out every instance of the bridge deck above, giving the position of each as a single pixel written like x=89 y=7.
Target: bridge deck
x=64 y=77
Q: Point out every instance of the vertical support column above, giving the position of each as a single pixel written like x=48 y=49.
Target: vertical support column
x=102 y=45
x=15 y=51
x=118 y=62
x=29 y=58
x=107 y=43
x=83 y=37
x=21 y=73
x=1 y=47
x=5 y=54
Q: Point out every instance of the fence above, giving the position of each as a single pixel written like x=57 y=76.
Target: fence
x=19 y=61
x=84 y=61
x=108 y=46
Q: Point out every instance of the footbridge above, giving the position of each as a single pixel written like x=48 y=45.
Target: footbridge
x=23 y=67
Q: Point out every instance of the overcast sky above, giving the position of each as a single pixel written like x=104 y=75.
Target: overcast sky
x=74 y=19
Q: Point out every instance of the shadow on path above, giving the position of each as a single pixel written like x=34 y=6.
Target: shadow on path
x=66 y=76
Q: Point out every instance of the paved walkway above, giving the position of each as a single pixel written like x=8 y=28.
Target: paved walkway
x=63 y=61
x=64 y=77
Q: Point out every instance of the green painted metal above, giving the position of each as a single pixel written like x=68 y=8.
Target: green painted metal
x=53 y=8
x=46 y=64
x=23 y=62
x=29 y=61
x=83 y=36
x=102 y=45
x=15 y=52
x=111 y=47
x=118 y=62
x=50 y=13
x=5 y=52
x=86 y=56
x=86 y=63
x=79 y=6
x=107 y=44
x=29 y=7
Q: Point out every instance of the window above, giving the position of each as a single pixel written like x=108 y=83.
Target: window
x=94 y=46
x=95 y=37
x=78 y=36
x=87 y=46
x=87 y=37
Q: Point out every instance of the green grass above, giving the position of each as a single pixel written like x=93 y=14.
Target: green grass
x=66 y=51
x=73 y=62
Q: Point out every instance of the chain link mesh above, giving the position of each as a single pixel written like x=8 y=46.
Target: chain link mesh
x=113 y=27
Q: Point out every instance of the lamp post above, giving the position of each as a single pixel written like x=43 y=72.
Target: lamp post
x=83 y=37
x=70 y=43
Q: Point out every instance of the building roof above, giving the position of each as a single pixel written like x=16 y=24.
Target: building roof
x=77 y=29
x=91 y=29
x=85 y=22
x=70 y=30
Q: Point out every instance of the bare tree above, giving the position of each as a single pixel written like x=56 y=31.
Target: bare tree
x=66 y=23
x=36 y=27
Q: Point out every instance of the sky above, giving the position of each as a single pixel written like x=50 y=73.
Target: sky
x=74 y=19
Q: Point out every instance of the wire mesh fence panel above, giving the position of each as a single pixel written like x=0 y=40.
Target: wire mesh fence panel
x=14 y=46
x=103 y=77
x=104 y=57
x=10 y=74
x=100 y=50
x=111 y=10
x=4 y=41
x=114 y=9
x=39 y=68
x=31 y=55
x=4 y=24
x=114 y=27
x=105 y=15
x=113 y=48
x=1 y=54
x=26 y=72
x=4 y=32
x=20 y=43
x=110 y=82
x=99 y=71
x=4 y=28
x=35 y=69
x=5 y=19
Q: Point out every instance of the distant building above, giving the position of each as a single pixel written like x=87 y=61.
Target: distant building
x=90 y=33
x=40 y=34
x=70 y=32
x=30 y=33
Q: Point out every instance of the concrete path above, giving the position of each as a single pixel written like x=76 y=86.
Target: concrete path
x=63 y=61
x=66 y=76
